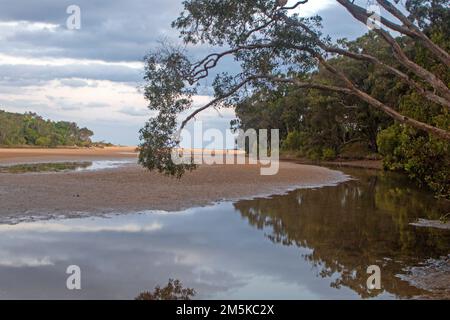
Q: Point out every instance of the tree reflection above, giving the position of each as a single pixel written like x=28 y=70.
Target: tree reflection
x=354 y=225
x=172 y=291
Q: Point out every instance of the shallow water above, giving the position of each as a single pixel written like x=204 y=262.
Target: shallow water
x=45 y=167
x=64 y=166
x=107 y=164
x=308 y=244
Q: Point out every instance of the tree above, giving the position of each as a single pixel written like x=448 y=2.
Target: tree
x=274 y=47
x=172 y=291
x=31 y=129
x=318 y=126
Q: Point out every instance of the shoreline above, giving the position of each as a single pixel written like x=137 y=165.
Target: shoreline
x=360 y=164
x=132 y=188
x=11 y=156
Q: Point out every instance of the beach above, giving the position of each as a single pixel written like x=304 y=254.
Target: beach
x=131 y=188
x=27 y=155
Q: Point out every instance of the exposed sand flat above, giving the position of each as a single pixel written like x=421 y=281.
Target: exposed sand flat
x=132 y=188
x=26 y=155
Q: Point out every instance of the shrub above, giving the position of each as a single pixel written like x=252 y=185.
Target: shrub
x=328 y=154
x=43 y=141
x=425 y=159
x=293 y=141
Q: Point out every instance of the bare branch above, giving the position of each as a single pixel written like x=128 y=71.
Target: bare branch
x=201 y=69
x=418 y=34
x=298 y=3
x=444 y=134
x=401 y=57
x=272 y=78
x=301 y=84
x=215 y=101
x=366 y=57
x=362 y=15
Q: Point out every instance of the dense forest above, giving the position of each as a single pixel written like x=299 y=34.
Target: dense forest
x=321 y=125
x=30 y=129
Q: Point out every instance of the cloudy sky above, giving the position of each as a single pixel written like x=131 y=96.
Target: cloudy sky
x=92 y=75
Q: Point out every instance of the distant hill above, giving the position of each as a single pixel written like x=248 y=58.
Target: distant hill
x=30 y=129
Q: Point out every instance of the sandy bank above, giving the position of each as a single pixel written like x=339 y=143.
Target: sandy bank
x=27 y=155
x=132 y=188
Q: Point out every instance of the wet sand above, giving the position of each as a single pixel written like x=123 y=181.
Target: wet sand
x=28 y=155
x=132 y=188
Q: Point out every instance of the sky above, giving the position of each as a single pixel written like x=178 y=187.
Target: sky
x=93 y=75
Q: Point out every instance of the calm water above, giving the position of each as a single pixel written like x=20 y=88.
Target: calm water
x=307 y=244
x=65 y=166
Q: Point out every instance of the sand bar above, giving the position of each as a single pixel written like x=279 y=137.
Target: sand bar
x=132 y=188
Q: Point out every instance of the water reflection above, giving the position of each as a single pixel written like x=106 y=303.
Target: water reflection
x=354 y=225
x=309 y=244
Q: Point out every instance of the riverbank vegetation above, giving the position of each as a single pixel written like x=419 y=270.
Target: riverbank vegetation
x=383 y=95
x=335 y=125
x=30 y=129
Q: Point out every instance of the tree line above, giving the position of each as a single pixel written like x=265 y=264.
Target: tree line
x=386 y=92
x=322 y=126
x=30 y=129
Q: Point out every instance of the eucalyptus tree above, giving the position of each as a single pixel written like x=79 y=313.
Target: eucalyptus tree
x=274 y=47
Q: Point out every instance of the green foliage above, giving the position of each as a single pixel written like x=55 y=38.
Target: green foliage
x=43 y=141
x=32 y=130
x=422 y=157
x=322 y=125
x=169 y=92
x=159 y=140
x=328 y=154
x=293 y=141
x=264 y=42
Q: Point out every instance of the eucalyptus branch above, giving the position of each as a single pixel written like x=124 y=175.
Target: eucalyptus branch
x=369 y=58
x=201 y=69
x=215 y=101
x=444 y=134
x=361 y=15
x=441 y=54
x=272 y=78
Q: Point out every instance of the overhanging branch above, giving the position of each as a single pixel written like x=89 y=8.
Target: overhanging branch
x=361 y=15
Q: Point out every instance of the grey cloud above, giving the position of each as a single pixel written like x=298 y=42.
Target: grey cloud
x=24 y=75
x=133 y=111
x=115 y=31
x=76 y=83
x=110 y=30
x=69 y=106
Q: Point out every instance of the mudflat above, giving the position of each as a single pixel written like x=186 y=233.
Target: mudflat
x=131 y=188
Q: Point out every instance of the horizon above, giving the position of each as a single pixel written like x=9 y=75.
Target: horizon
x=86 y=76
